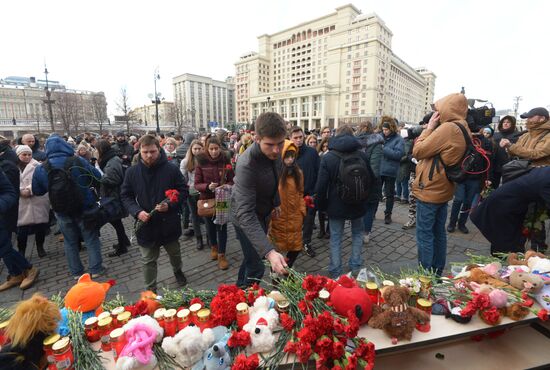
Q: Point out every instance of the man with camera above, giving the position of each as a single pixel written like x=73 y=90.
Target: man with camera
x=440 y=144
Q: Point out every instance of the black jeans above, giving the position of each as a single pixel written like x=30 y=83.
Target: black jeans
x=307 y=230
x=217 y=234
x=195 y=219
x=252 y=267
x=389 y=192
x=120 y=233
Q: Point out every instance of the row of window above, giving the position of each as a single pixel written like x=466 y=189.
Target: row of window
x=304 y=35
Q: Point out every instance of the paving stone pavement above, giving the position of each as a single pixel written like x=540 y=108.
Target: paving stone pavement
x=389 y=248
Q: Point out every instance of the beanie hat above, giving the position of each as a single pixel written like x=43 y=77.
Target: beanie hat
x=22 y=149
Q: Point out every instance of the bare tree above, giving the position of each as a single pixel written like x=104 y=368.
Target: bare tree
x=99 y=106
x=179 y=115
x=124 y=108
x=69 y=110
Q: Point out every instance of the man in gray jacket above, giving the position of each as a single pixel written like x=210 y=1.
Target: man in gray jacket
x=255 y=197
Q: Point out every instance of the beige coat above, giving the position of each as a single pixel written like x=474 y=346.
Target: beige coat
x=447 y=141
x=530 y=147
x=36 y=209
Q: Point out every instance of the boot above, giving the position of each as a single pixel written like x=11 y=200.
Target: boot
x=214 y=253
x=322 y=229
x=40 y=250
x=11 y=282
x=189 y=233
x=387 y=219
x=22 y=248
x=119 y=251
x=222 y=262
x=199 y=244
x=30 y=277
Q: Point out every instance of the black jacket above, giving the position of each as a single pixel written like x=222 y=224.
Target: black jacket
x=126 y=152
x=143 y=188
x=327 y=198
x=501 y=156
x=8 y=164
x=372 y=144
x=308 y=160
x=8 y=198
x=500 y=217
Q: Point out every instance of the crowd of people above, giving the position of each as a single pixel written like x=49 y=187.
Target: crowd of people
x=281 y=178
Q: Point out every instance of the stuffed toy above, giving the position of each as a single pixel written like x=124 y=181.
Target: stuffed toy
x=217 y=357
x=141 y=333
x=513 y=258
x=478 y=275
x=189 y=344
x=346 y=296
x=498 y=297
x=263 y=319
x=33 y=320
x=527 y=281
x=399 y=320
x=150 y=298
x=516 y=311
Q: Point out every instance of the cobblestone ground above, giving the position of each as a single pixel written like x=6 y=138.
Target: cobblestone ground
x=390 y=248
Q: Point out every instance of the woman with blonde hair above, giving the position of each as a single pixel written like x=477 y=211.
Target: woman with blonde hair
x=187 y=168
x=169 y=147
x=311 y=141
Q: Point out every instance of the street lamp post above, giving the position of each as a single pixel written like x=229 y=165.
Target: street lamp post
x=48 y=99
x=157 y=77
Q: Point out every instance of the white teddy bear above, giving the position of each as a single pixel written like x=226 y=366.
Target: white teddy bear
x=263 y=320
x=189 y=345
x=141 y=333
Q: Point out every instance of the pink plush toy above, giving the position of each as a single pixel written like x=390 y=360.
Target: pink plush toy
x=498 y=297
x=141 y=333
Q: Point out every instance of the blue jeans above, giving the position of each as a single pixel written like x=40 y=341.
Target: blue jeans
x=252 y=267
x=402 y=188
x=14 y=261
x=72 y=228
x=368 y=218
x=431 y=237
x=336 y=234
x=217 y=234
x=464 y=196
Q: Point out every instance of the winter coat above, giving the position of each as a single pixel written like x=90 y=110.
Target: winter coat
x=189 y=177
x=308 y=160
x=501 y=155
x=8 y=200
x=393 y=151
x=125 y=151
x=372 y=144
x=58 y=151
x=36 y=209
x=447 y=141
x=8 y=164
x=534 y=145
x=286 y=230
x=143 y=188
x=500 y=216
x=113 y=177
x=209 y=171
x=181 y=151
x=172 y=157
x=327 y=198
x=255 y=195
x=405 y=163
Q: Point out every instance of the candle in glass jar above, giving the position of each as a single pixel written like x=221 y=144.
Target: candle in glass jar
x=104 y=326
x=242 y=314
x=91 y=330
x=170 y=324
x=123 y=318
x=426 y=306
x=324 y=295
x=183 y=318
x=63 y=354
x=103 y=315
x=3 y=336
x=203 y=317
x=118 y=341
x=373 y=292
x=283 y=306
x=425 y=287
x=159 y=316
x=114 y=314
x=194 y=309
x=48 y=351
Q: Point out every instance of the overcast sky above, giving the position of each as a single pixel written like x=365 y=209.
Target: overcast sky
x=496 y=49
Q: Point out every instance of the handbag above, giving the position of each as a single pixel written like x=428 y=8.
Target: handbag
x=515 y=168
x=206 y=207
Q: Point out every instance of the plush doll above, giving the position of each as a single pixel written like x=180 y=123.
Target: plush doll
x=347 y=296
x=513 y=258
x=33 y=320
x=263 y=320
x=498 y=297
x=217 y=357
x=478 y=275
x=399 y=320
x=527 y=281
x=86 y=296
x=188 y=346
x=141 y=333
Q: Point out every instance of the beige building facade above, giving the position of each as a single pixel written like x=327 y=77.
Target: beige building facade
x=146 y=114
x=204 y=102
x=335 y=69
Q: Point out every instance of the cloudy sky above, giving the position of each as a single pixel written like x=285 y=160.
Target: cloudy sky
x=497 y=49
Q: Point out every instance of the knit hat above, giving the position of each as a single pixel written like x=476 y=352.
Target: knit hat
x=22 y=149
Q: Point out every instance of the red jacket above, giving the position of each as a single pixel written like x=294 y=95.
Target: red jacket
x=208 y=171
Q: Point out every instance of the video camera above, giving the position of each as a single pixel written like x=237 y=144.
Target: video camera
x=479 y=117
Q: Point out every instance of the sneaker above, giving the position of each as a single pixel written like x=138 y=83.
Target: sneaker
x=451 y=228
x=12 y=281
x=99 y=274
x=309 y=250
x=409 y=225
x=463 y=229
x=180 y=278
x=387 y=219
x=366 y=238
x=30 y=277
x=189 y=233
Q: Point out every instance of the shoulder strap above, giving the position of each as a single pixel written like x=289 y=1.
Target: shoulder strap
x=467 y=138
x=47 y=166
x=542 y=137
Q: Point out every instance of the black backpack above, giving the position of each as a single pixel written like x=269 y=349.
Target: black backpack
x=354 y=179
x=63 y=190
x=473 y=162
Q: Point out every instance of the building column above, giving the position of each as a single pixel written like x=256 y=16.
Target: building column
x=310 y=121
x=323 y=110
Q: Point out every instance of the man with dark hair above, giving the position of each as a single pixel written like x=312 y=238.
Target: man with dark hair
x=142 y=192
x=125 y=149
x=308 y=161
x=255 y=198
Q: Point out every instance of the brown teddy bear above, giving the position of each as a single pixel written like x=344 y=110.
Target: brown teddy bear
x=481 y=277
x=514 y=260
x=398 y=320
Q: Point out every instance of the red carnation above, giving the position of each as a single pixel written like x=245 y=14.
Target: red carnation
x=338 y=349
x=469 y=310
x=228 y=167
x=223 y=304
x=287 y=322
x=543 y=314
x=246 y=363
x=323 y=347
x=352 y=362
x=353 y=325
x=527 y=302
x=481 y=301
x=239 y=338
x=303 y=351
x=491 y=316
x=337 y=367
x=172 y=195
x=305 y=306
x=137 y=309
x=196 y=300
